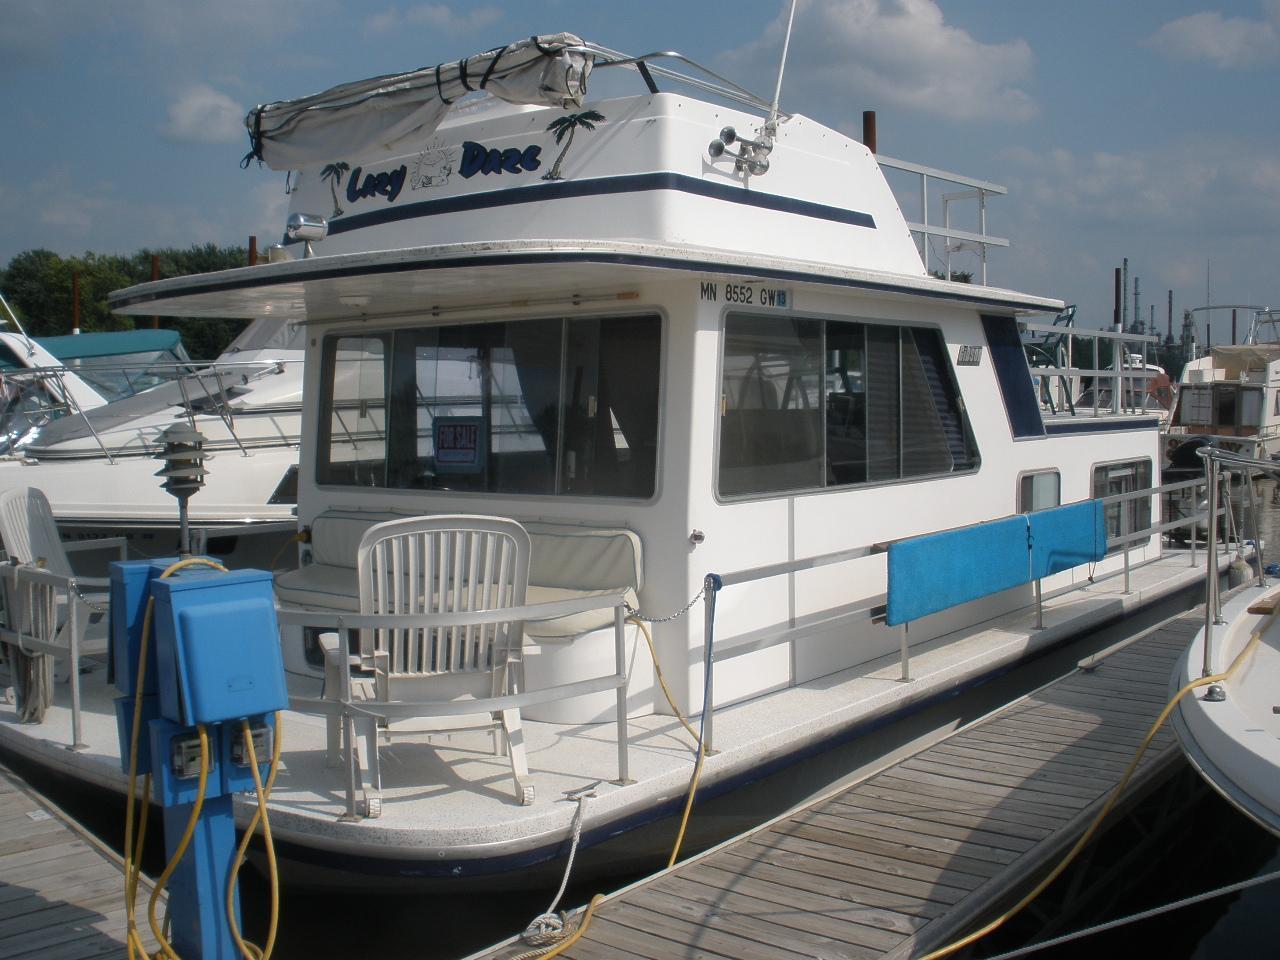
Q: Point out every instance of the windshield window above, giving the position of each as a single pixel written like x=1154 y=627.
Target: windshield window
x=551 y=406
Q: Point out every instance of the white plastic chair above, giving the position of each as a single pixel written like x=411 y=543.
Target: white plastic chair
x=49 y=612
x=427 y=566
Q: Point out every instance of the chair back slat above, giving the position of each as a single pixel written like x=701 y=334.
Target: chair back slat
x=443 y=564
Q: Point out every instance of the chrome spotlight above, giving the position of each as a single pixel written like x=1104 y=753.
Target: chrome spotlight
x=307 y=227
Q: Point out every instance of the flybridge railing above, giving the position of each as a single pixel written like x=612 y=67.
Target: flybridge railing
x=954 y=240
x=1061 y=387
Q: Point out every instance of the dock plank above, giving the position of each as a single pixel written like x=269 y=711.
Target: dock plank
x=899 y=862
x=61 y=889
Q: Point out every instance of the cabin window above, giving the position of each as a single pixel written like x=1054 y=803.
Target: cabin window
x=1041 y=490
x=553 y=406
x=354 y=424
x=1126 y=516
x=807 y=404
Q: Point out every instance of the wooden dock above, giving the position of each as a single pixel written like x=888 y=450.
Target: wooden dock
x=61 y=889
x=914 y=856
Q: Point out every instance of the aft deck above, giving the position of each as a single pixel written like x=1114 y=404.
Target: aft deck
x=448 y=813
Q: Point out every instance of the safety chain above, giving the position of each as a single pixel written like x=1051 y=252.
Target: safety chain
x=635 y=614
x=95 y=607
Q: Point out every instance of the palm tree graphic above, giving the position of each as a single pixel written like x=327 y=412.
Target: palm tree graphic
x=333 y=173
x=569 y=124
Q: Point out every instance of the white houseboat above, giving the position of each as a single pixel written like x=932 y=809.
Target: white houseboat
x=670 y=338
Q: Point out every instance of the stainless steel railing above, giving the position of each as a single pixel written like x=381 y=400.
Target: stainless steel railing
x=1215 y=461
x=873 y=606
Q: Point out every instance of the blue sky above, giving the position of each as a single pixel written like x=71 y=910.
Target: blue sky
x=1142 y=130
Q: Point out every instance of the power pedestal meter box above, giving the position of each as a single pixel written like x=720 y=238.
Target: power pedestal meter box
x=217 y=647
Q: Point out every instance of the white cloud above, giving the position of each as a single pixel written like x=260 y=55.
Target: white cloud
x=438 y=16
x=897 y=53
x=1072 y=218
x=202 y=114
x=1226 y=42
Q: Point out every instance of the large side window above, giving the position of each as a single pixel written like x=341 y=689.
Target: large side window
x=807 y=404
x=530 y=407
x=1125 y=516
x=770 y=408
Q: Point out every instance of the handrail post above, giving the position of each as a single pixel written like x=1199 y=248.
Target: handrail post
x=1229 y=517
x=1211 y=565
x=1194 y=494
x=620 y=670
x=906 y=656
x=710 y=585
x=1039 y=605
x=73 y=624
x=1127 y=588
x=1253 y=523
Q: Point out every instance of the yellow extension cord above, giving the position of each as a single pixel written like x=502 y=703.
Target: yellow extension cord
x=1080 y=844
x=248 y=950
x=133 y=849
x=697 y=742
x=688 y=805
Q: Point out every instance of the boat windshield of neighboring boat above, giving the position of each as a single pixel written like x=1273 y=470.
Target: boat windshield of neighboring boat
x=123 y=362
x=45 y=379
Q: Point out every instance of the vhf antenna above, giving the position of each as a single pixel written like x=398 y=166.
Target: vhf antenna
x=786 y=44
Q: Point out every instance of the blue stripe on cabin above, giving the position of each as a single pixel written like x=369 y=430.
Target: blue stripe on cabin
x=941 y=570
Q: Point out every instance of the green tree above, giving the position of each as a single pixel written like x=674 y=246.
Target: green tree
x=38 y=285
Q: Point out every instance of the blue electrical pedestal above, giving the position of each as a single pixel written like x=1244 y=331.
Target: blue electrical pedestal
x=214 y=661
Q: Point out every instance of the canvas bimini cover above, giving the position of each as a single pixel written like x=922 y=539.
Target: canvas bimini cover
x=355 y=119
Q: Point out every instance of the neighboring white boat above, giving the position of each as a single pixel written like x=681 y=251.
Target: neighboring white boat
x=50 y=377
x=671 y=338
x=1231 y=397
x=1230 y=730
x=97 y=466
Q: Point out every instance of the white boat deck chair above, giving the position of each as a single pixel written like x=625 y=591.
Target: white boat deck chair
x=427 y=566
x=50 y=613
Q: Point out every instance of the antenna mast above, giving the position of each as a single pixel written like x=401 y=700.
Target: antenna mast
x=786 y=45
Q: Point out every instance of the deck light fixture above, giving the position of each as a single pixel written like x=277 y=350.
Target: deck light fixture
x=183 y=473
x=307 y=227
x=752 y=155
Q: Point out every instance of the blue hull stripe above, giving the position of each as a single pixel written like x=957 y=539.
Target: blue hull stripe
x=598 y=187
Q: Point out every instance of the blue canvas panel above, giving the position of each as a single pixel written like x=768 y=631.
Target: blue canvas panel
x=1066 y=537
x=940 y=570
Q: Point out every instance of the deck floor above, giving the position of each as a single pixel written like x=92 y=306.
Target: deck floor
x=908 y=859
x=61 y=890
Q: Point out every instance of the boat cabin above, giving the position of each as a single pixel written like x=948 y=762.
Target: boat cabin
x=671 y=338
